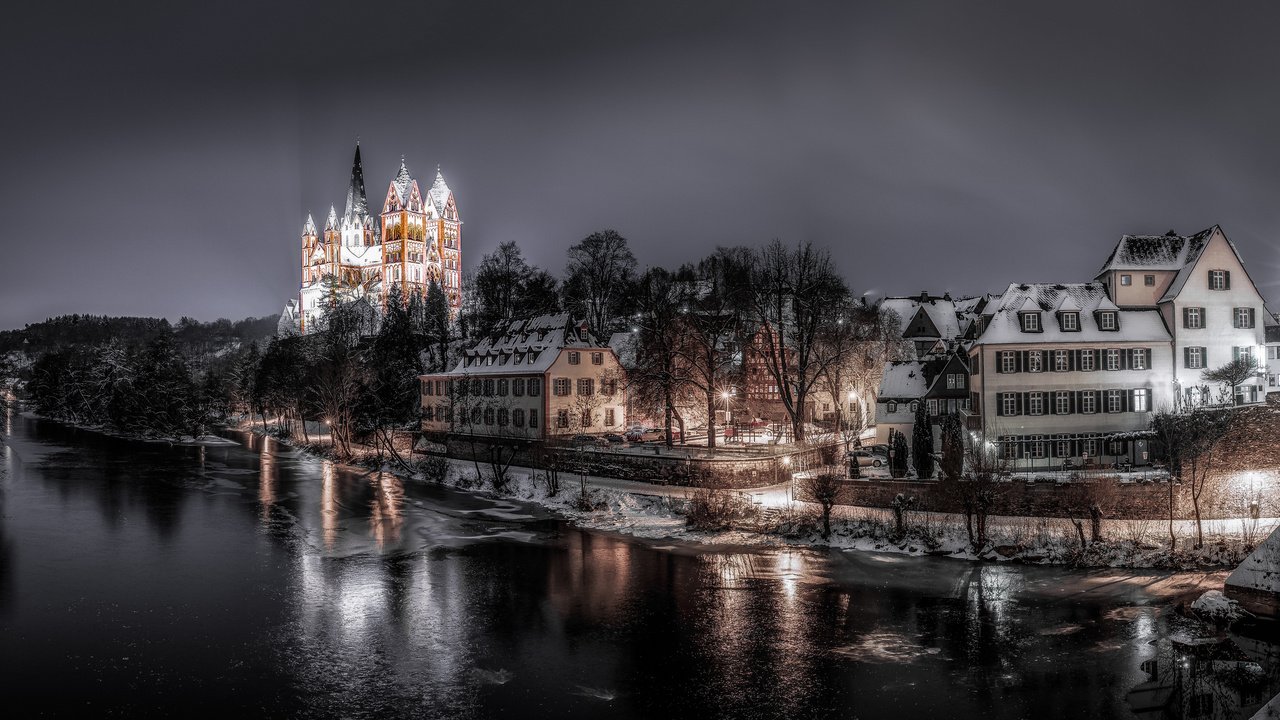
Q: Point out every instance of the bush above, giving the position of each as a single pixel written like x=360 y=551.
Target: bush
x=434 y=468
x=717 y=509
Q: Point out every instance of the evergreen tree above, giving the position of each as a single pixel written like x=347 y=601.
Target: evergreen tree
x=952 y=447
x=394 y=361
x=437 y=328
x=898 y=468
x=922 y=442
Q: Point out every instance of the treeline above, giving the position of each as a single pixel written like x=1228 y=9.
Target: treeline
x=68 y=330
x=778 y=318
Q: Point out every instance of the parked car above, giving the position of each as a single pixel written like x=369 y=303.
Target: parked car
x=865 y=458
x=650 y=434
x=588 y=441
x=614 y=438
x=880 y=449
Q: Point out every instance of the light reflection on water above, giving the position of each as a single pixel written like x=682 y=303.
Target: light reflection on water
x=323 y=592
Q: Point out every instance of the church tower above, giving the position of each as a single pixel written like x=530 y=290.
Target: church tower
x=447 y=236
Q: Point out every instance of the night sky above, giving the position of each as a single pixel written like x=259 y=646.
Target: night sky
x=160 y=160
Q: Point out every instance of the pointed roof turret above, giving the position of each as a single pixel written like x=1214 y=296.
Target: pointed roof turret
x=309 y=227
x=403 y=181
x=357 y=203
x=332 y=223
x=439 y=192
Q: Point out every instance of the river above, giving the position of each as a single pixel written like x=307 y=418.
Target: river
x=142 y=579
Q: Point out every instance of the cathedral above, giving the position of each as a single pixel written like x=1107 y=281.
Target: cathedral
x=414 y=240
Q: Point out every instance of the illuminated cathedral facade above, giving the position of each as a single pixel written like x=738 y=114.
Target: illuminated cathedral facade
x=414 y=240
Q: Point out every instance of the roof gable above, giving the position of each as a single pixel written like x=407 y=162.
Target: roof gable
x=1213 y=236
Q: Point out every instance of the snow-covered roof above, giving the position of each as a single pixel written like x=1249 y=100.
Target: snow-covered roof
x=403 y=182
x=361 y=256
x=940 y=310
x=309 y=227
x=624 y=346
x=439 y=193
x=1261 y=570
x=1005 y=326
x=332 y=222
x=903 y=380
x=525 y=346
x=1170 y=251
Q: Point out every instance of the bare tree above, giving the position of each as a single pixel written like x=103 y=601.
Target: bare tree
x=659 y=379
x=1190 y=441
x=795 y=294
x=978 y=488
x=601 y=269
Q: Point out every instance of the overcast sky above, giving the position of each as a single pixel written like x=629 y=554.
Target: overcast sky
x=161 y=160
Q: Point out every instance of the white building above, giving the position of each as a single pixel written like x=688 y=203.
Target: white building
x=1206 y=297
x=1060 y=372
x=539 y=378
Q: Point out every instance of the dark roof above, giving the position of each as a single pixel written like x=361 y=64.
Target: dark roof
x=357 y=203
x=1170 y=251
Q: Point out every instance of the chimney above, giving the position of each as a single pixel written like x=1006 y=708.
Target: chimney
x=924 y=296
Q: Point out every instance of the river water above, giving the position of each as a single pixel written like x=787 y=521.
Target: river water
x=144 y=579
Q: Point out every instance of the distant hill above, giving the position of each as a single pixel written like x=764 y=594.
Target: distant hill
x=193 y=336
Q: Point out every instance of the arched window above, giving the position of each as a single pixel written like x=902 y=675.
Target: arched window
x=893 y=406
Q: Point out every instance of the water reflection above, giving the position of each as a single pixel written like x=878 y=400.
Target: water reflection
x=1210 y=678
x=370 y=597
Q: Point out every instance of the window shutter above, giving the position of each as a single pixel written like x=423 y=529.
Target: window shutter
x=1226 y=274
x=1252 y=322
x=1075 y=402
x=1073 y=360
x=1235 y=353
x=1125 y=359
x=1186 y=357
x=1022 y=403
x=1186 y=317
x=1022 y=361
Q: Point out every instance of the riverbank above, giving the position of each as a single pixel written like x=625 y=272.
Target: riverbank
x=768 y=517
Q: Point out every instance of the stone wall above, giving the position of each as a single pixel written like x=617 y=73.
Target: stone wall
x=666 y=468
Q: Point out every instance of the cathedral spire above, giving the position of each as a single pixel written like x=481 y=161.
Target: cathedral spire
x=357 y=204
x=309 y=228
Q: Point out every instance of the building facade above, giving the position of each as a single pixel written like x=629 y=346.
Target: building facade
x=539 y=379
x=414 y=240
x=1207 y=299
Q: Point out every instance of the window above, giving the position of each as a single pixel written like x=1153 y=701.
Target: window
x=502 y=387
x=1008 y=361
x=1115 y=401
x=1061 y=360
x=1071 y=322
x=1036 y=446
x=476 y=386
x=1116 y=447
x=588 y=418
x=428 y=388
x=517 y=387
x=1089 y=447
x=1010 y=448
x=1126 y=280
x=1242 y=353
x=1149 y=280
x=535 y=387
x=1106 y=321
x=1193 y=318
x=955 y=381
x=1063 y=447
x=1088 y=360
x=1219 y=280
x=1138 y=360
x=1034 y=361
x=1112 y=360
x=517 y=417
x=476 y=415
x=562 y=418
x=597 y=358
x=608 y=386
x=1194 y=357
x=488 y=387
x=429 y=413
x=892 y=406
x=931 y=406
x=488 y=416
x=1273 y=352
x=1088 y=402
x=533 y=418
x=586 y=386
x=915 y=406
x=609 y=417
x=1008 y=404
x=561 y=387
x=1271 y=380
x=1142 y=400
x=1062 y=402
x=1035 y=403
x=1031 y=322
x=575 y=357
x=1243 y=317
x=1200 y=705
x=440 y=387
x=503 y=417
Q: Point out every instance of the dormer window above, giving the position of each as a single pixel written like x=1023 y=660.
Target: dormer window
x=1031 y=322
x=1070 y=321
x=1107 y=320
